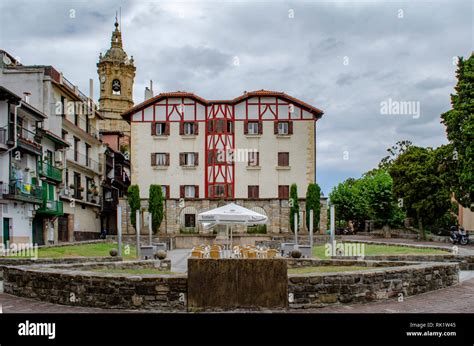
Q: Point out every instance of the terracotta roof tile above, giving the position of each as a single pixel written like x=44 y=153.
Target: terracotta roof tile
x=126 y=115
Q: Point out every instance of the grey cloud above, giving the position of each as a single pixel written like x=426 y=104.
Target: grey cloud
x=402 y=59
x=433 y=83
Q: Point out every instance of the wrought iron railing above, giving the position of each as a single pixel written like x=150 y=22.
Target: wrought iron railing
x=50 y=171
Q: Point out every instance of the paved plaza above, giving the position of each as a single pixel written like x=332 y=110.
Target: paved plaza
x=456 y=299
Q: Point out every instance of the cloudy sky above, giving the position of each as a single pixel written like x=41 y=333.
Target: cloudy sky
x=349 y=58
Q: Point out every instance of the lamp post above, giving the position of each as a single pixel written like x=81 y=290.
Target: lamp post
x=119 y=230
x=333 y=224
x=137 y=218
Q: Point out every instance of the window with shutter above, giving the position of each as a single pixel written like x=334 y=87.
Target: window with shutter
x=188 y=128
x=196 y=191
x=253 y=158
x=275 y=127
x=165 y=189
x=283 y=191
x=283 y=127
x=260 y=127
x=158 y=129
x=290 y=127
x=283 y=159
x=188 y=159
x=196 y=128
x=190 y=191
x=246 y=127
x=159 y=159
x=196 y=159
x=167 y=129
x=253 y=191
x=253 y=128
x=181 y=191
x=181 y=128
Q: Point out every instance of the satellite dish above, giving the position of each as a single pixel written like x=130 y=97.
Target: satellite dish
x=6 y=60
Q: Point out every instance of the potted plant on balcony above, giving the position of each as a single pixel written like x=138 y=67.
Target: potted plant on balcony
x=80 y=188
x=71 y=186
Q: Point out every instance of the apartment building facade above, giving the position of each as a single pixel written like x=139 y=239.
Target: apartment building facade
x=205 y=153
x=72 y=117
x=29 y=178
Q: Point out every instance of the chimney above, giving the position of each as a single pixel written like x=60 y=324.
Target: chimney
x=91 y=95
x=149 y=91
x=26 y=96
x=91 y=88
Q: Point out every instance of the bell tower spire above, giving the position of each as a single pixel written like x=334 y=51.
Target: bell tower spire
x=116 y=74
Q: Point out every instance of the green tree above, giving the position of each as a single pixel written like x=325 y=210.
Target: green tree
x=416 y=180
x=349 y=202
x=155 y=206
x=134 y=202
x=459 y=122
x=393 y=152
x=313 y=202
x=376 y=190
x=294 y=207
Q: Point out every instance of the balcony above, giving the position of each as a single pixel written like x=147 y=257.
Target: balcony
x=121 y=177
x=49 y=171
x=23 y=192
x=54 y=208
x=109 y=200
x=86 y=161
x=29 y=141
x=3 y=138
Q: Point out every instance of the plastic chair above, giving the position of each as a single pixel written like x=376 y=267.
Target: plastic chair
x=196 y=253
x=215 y=254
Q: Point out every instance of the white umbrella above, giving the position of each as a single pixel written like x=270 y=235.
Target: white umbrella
x=231 y=214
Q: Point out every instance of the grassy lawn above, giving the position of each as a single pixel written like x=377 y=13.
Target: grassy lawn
x=373 y=250
x=85 y=250
x=136 y=271
x=325 y=269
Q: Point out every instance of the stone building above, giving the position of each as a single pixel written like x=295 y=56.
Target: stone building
x=116 y=73
x=207 y=153
x=72 y=117
x=29 y=178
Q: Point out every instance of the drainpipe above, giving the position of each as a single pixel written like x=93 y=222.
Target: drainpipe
x=314 y=140
x=15 y=132
x=15 y=139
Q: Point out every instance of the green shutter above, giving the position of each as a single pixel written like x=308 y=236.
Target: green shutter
x=51 y=192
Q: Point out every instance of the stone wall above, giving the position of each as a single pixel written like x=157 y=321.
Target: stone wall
x=277 y=211
x=67 y=285
x=78 y=284
x=317 y=290
x=4 y=262
x=465 y=262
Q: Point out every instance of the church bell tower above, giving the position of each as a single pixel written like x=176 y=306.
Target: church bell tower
x=116 y=73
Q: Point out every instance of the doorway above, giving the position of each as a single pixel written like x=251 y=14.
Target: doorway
x=6 y=230
x=63 y=228
x=38 y=237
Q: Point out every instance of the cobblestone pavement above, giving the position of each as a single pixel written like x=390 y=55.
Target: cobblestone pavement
x=457 y=299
